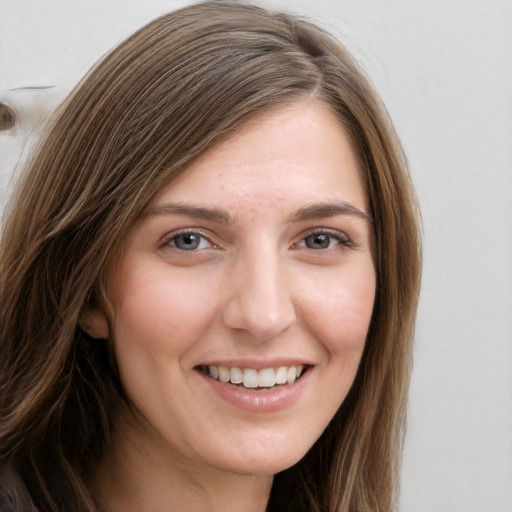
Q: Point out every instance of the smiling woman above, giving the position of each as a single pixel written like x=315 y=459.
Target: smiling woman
x=207 y=312
x=212 y=307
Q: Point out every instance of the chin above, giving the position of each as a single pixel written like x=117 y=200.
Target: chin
x=263 y=459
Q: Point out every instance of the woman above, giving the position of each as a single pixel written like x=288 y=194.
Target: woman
x=211 y=303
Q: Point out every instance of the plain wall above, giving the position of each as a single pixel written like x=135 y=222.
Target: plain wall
x=444 y=69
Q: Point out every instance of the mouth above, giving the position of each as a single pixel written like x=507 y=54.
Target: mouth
x=251 y=378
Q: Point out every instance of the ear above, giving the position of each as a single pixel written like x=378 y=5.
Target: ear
x=95 y=323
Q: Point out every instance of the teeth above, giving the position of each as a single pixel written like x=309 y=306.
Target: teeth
x=267 y=378
x=236 y=375
x=223 y=373
x=252 y=378
x=281 y=375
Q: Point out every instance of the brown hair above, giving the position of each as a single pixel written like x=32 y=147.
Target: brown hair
x=163 y=97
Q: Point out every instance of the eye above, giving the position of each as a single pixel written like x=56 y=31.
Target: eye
x=322 y=240
x=189 y=241
x=318 y=241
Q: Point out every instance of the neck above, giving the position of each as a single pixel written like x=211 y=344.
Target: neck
x=131 y=477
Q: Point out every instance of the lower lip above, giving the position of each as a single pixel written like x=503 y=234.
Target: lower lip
x=252 y=400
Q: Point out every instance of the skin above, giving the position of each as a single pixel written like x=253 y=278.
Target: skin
x=257 y=290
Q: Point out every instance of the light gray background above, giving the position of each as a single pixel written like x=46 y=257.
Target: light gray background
x=444 y=70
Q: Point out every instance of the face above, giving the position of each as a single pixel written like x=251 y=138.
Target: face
x=240 y=308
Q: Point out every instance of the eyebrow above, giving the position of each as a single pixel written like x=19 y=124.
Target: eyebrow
x=327 y=209
x=309 y=212
x=201 y=212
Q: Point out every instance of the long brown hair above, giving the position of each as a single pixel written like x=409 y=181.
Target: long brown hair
x=166 y=95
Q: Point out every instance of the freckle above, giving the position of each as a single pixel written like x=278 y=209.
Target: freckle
x=7 y=117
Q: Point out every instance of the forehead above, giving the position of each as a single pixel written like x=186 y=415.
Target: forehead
x=295 y=154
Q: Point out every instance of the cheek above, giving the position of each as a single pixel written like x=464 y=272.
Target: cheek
x=340 y=313
x=162 y=311
x=157 y=321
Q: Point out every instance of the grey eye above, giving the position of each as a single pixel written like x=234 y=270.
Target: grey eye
x=187 y=241
x=318 y=241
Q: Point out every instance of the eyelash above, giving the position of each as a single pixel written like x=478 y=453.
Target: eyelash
x=168 y=240
x=339 y=236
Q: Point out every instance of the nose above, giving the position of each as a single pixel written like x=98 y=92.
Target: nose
x=260 y=301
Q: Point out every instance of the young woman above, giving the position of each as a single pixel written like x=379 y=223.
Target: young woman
x=210 y=274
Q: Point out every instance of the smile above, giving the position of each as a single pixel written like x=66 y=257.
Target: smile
x=250 y=378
